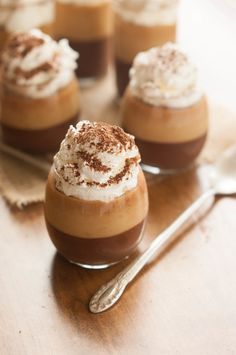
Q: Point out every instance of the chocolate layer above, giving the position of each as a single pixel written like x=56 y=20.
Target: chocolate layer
x=37 y=140
x=122 y=75
x=94 y=57
x=170 y=155
x=97 y=251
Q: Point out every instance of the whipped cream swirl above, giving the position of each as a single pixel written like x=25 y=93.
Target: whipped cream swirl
x=164 y=76
x=147 y=12
x=36 y=66
x=22 y=15
x=96 y=161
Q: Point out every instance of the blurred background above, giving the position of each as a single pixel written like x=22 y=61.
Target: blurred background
x=207 y=31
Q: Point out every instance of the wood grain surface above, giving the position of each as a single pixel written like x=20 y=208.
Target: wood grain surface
x=184 y=303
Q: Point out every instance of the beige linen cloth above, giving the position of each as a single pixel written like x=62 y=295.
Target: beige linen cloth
x=21 y=184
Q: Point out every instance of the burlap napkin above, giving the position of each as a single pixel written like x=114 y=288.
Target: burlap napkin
x=21 y=184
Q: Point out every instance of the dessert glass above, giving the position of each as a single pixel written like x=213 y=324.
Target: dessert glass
x=89 y=28
x=33 y=123
x=95 y=233
x=24 y=15
x=170 y=133
x=139 y=26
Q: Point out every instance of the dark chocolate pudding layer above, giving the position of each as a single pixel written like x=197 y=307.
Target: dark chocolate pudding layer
x=97 y=251
x=94 y=57
x=170 y=155
x=122 y=75
x=37 y=140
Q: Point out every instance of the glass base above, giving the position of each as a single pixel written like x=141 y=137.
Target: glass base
x=98 y=266
x=154 y=170
x=87 y=82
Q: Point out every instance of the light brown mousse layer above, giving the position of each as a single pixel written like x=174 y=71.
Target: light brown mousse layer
x=84 y=22
x=131 y=38
x=4 y=35
x=21 y=112
x=96 y=219
x=164 y=124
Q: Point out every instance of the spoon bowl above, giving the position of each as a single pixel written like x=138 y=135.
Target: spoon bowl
x=223 y=175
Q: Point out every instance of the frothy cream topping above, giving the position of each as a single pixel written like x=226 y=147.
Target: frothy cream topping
x=164 y=76
x=34 y=65
x=147 y=12
x=22 y=15
x=96 y=161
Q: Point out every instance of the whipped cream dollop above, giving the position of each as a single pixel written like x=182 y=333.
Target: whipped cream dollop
x=34 y=65
x=147 y=12
x=164 y=76
x=22 y=15
x=96 y=161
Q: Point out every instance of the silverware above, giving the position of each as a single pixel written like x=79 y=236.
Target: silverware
x=223 y=182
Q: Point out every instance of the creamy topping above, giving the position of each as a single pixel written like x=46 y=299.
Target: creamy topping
x=164 y=76
x=147 y=12
x=22 y=15
x=35 y=65
x=96 y=161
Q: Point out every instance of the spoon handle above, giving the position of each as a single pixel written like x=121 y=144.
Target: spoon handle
x=109 y=293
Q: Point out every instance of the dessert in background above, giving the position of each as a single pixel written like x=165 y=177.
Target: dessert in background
x=96 y=196
x=88 y=24
x=23 y=15
x=140 y=25
x=40 y=95
x=165 y=108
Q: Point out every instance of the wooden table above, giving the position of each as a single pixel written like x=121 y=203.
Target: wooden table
x=183 y=303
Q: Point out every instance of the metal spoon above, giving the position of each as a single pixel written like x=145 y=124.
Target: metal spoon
x=223 y=182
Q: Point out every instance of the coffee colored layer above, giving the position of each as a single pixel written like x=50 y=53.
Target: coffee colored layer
x=163 y=124
x=96 y=219
x=94 y=57
x=82 y=22
x=170 y=155
x=131 y=38
x=27 y=113
x=122 y=75
x=96 y=251
x=37 y=140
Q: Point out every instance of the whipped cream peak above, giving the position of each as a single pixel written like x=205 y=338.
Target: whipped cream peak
x=22 y=15
x=34 y=65
x=96 y=161
x=148 y=12
x=164 y=76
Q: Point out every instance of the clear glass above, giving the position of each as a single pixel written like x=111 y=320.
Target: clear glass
x=169 y=139
x=39 y=125
x=135 y=32
x=96 y=234
x=90 y=38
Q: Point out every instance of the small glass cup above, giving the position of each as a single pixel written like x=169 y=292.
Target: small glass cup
x=169 y=139
x=96 y=234
x=25 y=16
x=132 y=36
x=89 y=28
x=38 y=125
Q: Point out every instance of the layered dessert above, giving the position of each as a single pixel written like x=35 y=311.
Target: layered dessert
x=165 y=108
x=96 y=196
x=140 y=25
x=23 y=15
x=40 y=95
x=88 y=25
